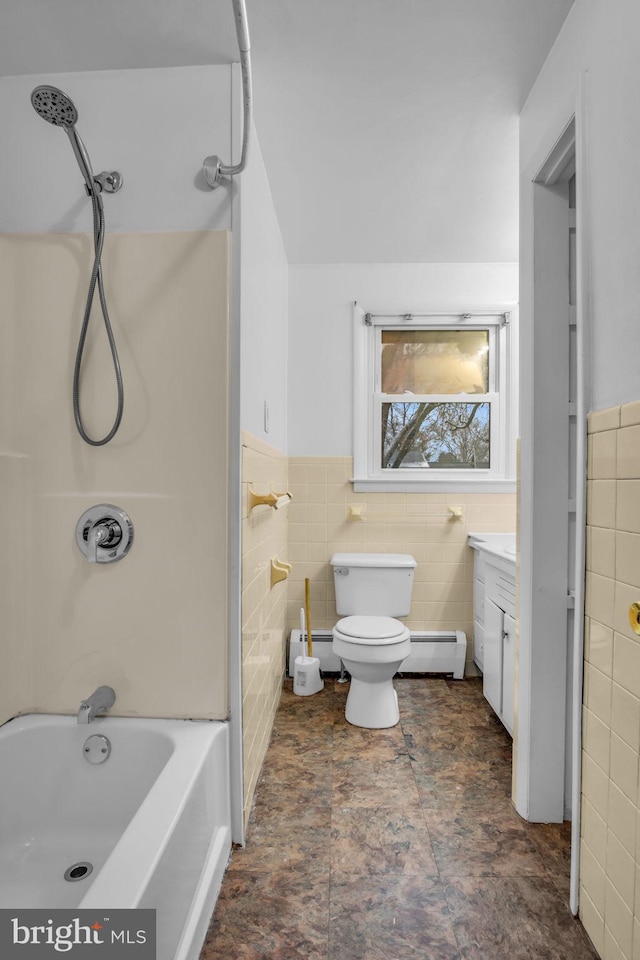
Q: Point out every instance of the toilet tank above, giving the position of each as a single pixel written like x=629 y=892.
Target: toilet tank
x=373 y=584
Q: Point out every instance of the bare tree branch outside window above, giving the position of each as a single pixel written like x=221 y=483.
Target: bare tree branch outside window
x=442 y=435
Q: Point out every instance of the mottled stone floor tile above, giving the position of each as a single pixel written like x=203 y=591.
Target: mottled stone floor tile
x=295 y=737
x=393 y=844
x=553 y=844
x=321 y=706
x=366 y=783
x=356 y=743
x=296 y=842
x=379 y=840
x=514 y=919
x=455 y=784
x=270 y=915
x=390 y=918
x=483 y=847
x=290 y=783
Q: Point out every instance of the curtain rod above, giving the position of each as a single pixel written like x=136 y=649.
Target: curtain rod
x=213 y=168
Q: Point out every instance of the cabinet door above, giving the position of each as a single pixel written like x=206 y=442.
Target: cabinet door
x=492 y=674
x=508 y=671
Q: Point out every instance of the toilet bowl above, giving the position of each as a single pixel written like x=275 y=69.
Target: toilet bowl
x=372 y=589
x=372 y=650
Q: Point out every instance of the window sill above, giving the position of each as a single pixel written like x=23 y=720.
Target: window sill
x=440 y=485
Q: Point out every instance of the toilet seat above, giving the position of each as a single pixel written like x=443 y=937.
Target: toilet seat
x=374 y=631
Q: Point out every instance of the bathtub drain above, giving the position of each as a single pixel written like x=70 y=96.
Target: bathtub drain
x=78 y=871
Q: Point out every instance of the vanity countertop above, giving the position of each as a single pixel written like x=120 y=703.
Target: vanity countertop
x=501 y=545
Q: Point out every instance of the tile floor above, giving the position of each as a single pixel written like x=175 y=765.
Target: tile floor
x=394 y=844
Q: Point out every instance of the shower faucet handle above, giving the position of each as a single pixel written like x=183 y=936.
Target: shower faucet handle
x=104 y=533
x=109 y=180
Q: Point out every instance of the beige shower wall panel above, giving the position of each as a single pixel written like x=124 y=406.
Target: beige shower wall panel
x=16 y=675
x=153 y=625
x=415 y=523
x=264 y=608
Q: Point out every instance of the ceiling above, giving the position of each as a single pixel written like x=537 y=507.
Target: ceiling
x=389 y=128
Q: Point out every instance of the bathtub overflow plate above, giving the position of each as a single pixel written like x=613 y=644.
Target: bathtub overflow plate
x=97 y=748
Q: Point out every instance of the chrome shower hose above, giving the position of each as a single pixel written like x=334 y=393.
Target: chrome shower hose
x=96 y=279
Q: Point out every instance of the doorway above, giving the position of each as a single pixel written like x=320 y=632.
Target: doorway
x=553 y=485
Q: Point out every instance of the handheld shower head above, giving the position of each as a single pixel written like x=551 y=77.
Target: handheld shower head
x=57 y=108
x=54 y=106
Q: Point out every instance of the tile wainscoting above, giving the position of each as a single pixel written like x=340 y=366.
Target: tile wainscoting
x=610 y=843
x=415 y=523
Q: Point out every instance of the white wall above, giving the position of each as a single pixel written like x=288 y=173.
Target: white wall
x=154 y=126
x=599 y=37
x=264 y=307
x=320 y=331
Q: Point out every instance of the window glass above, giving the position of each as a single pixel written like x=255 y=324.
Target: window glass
x=434 y=361
x=436 y=435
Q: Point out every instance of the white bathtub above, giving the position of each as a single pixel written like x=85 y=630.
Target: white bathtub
x=153 y=820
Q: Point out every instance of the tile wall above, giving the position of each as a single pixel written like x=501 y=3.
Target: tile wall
x=610 y=843
x=264 y=608
x=419 y=524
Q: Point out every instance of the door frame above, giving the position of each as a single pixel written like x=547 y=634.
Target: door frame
x=549 y=684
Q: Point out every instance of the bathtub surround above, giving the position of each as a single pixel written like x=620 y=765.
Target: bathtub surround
x=153 y=625
x=321 y=523
x=610 y=842
x=264 y=608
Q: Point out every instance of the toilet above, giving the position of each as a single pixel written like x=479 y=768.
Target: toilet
x=372 y=589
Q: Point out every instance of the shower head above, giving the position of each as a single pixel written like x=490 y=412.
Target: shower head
x=54 y=106
x=57 y=108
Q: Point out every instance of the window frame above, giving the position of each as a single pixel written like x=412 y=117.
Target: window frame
x=368 y=474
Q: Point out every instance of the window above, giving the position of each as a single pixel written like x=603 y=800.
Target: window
x=433 y=405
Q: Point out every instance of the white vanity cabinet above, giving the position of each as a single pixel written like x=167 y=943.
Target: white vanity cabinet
x=494 y=624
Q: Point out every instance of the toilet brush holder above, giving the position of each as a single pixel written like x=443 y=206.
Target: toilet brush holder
x=306 y=676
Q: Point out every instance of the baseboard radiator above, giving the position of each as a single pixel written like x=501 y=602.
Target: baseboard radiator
x=432 y=651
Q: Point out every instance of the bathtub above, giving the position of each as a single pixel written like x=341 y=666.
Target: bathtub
x=152 y=820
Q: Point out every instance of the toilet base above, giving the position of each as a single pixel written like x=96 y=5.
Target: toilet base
x=372 y=705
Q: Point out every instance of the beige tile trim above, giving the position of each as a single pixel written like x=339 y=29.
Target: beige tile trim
x=630 y=414
x=603 y=420
x=314 y=460
x=259 y=446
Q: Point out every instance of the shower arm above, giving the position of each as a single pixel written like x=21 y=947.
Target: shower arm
x=213 y=168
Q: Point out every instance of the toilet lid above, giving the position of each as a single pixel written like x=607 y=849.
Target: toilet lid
x=371 y=629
